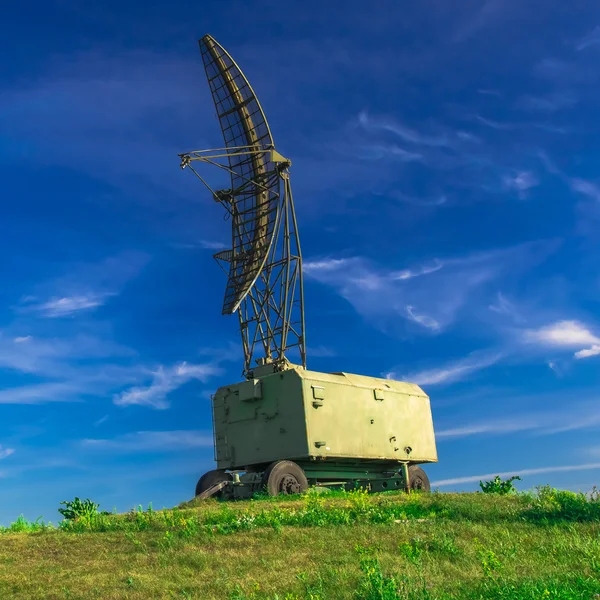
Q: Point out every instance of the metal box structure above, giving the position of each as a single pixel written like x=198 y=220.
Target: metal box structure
x=316 y=418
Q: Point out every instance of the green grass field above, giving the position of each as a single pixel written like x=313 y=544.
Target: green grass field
x=537 y=545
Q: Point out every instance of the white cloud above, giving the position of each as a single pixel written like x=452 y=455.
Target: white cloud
x=320 y=351
x=593 y=452
x=549 y=103
x=164 y=382
x=329 y=264
x=521 y=473
x=53 y=357
x=42 y=392
x=586 y=188
x=575 y=416
x=62 y=307
x=84 y=287
x=378 y=152
x=492 y=11
x=435 y=292
x=424 y=320
x=493 y=427
x=504 y=307
x=148 y=441
x=436 y=200
x=205 y=244
x=494 y=124
x=452 y=372
x=591 y=39
x=521 y=182
x=593 y=351
x=555 y=368
x=565 y=334
x=209 y=245
x=405 y=133
x=4 y=452
x=409 y=274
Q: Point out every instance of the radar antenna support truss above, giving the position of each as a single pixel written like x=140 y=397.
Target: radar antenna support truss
x=265 y=284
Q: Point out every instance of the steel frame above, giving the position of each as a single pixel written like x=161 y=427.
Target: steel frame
x=271 y=312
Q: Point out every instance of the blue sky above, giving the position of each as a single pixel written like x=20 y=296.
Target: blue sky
x=445 y=172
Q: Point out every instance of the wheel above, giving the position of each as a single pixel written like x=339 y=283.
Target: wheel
x=418 y=479
x=212 y=478
x=284 y=477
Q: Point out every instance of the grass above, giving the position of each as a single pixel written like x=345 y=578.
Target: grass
x=317 y=547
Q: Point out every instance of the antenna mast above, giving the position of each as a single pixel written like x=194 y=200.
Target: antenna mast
x=264 y=264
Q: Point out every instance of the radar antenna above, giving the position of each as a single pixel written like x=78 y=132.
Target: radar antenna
x=264 y=264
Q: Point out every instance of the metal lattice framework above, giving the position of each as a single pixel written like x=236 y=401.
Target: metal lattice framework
x=264 y=263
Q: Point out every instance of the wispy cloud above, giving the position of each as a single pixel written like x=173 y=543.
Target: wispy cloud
x=380 y=152
x=321 y=351
x=549 y=103
x=417 y=271
x=504 y=307
x=593 y=452
x=430 y=295
x=52 y=357
x=152 y=441
x=589 y=191
x=434 y=200
x=5 y=452
x=521 y=473
x=521 y=182
x=574 y=416
x=452 y=372
x=83 y=287
x=165 y=380
x=424 y=320
x=491 y=11
x=325 y=265
x=586 y=188
x=117 y=143
x=42 y=393
x=407 y=134
x=555 y=368
x=591 y=39
x=62 y=307
x=202 y=244
x=494 y=124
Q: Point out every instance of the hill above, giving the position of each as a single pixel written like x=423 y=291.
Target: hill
x=543 y=544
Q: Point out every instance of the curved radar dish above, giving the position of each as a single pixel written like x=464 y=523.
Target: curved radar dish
x=264 y=263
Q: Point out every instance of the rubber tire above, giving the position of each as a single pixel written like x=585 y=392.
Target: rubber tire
x=274 y=477
x=418 y=479
x=211 y=478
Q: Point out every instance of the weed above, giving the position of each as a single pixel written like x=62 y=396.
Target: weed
x=360 y=502
x=412 y=549
x=490 y=563
x=499 y=486
x=312 y=590
x=443 y=543
x=167 y=542
x=77 y=509
x=550 y=504
x=374 y=585
x=22 y=525
x=137 y=543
